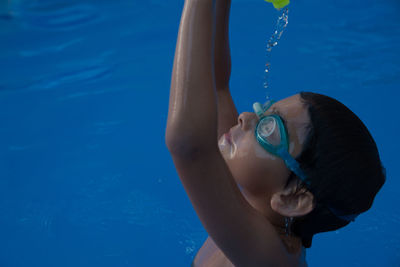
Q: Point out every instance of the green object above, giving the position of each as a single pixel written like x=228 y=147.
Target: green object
x=278 y=4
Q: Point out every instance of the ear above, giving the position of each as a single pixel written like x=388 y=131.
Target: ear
x=290 y=204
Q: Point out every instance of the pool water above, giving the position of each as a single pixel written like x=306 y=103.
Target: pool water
x=85 y=176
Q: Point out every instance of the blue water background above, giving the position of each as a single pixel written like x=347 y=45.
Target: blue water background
x=85 y=177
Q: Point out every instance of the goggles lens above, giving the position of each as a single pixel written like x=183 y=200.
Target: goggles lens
x=268 y=129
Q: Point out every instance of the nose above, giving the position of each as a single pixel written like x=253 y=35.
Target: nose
x=245 y=120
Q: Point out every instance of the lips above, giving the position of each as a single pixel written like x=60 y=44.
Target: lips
x=228 y=137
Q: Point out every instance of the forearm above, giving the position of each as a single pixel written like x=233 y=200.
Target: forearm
x=227 y=113
x=222 y=57
x=192 y=115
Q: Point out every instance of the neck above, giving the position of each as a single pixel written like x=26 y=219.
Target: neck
x=292 y=242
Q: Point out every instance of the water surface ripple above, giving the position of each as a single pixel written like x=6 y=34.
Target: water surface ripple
x=54 y=15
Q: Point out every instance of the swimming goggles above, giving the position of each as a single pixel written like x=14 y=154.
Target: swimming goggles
x=272 y=135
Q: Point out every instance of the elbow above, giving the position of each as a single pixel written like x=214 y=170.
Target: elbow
x=180 y=146
x=184 y=146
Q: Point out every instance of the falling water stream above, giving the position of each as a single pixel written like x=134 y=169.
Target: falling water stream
x=272 y=42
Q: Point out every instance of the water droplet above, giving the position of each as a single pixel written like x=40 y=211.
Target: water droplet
x=273 y=41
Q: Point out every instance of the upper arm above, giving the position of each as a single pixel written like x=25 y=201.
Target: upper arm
x=245 y=236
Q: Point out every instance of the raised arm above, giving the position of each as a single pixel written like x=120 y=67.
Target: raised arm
x=244 y=235
x=192 y=115
x=226 y=111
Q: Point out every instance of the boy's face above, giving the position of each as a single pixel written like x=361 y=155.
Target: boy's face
x=256 y=170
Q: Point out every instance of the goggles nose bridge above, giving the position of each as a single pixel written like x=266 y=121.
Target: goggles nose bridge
x=260 y=109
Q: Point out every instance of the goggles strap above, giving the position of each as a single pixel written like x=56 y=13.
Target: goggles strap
x=292 y=164
x=339 y=214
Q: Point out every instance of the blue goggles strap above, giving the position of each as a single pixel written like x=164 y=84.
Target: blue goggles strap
x=292 y=164
x=339 y=214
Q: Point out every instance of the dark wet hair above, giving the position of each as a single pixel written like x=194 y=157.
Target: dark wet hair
x=342 y=165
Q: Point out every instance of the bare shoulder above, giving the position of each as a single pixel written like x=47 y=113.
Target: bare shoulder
x=209 y=255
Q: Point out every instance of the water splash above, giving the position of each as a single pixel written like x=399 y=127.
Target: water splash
x=281 y=24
